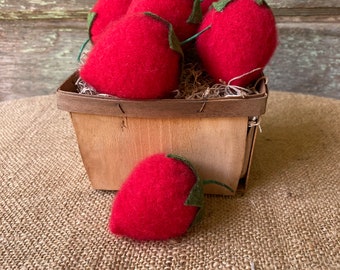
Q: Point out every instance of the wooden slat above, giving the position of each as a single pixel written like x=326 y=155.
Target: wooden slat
x=77 y=9
x=37 y=56
x=307 y=59
x=47 y=5
x=303 y=4
x=82 y=14
x=307 y=12
x=31 y=9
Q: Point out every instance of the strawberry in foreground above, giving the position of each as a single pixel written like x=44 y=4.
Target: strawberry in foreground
x=104 y=12
x=137 y=57
x=242 y=38
x=160 y=200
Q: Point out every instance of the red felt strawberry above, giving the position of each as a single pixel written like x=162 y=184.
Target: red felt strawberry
x=184 y=15
x=242 y=38
x=160 y=199
x=137 y=57
x=104 y=12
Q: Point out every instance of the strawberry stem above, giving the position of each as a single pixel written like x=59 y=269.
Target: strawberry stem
x=195 y=36
x=82 y=49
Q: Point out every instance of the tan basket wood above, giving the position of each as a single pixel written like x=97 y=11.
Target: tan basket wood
x=70 y=100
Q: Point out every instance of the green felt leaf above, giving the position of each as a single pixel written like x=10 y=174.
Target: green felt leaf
x=90 y=19
x=220 y=5
x=196 y=13
x=174 y=43
x=196 y=195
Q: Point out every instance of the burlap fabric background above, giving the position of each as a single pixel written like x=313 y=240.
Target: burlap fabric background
x=50 y=218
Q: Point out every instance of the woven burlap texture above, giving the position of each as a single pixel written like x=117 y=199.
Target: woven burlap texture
x=51 y=218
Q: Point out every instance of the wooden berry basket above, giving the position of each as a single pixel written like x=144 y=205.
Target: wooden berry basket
x=115 y=134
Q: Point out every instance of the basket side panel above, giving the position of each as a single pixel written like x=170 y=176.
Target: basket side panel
x=111 y=146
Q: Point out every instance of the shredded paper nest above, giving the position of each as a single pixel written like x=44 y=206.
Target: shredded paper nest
x=195 y=83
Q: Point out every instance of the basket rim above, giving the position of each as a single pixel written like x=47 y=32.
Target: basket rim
x=68 y=99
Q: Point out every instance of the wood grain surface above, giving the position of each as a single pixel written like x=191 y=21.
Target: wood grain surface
x=107 y=163
x=40 y=40
x=37 y=55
